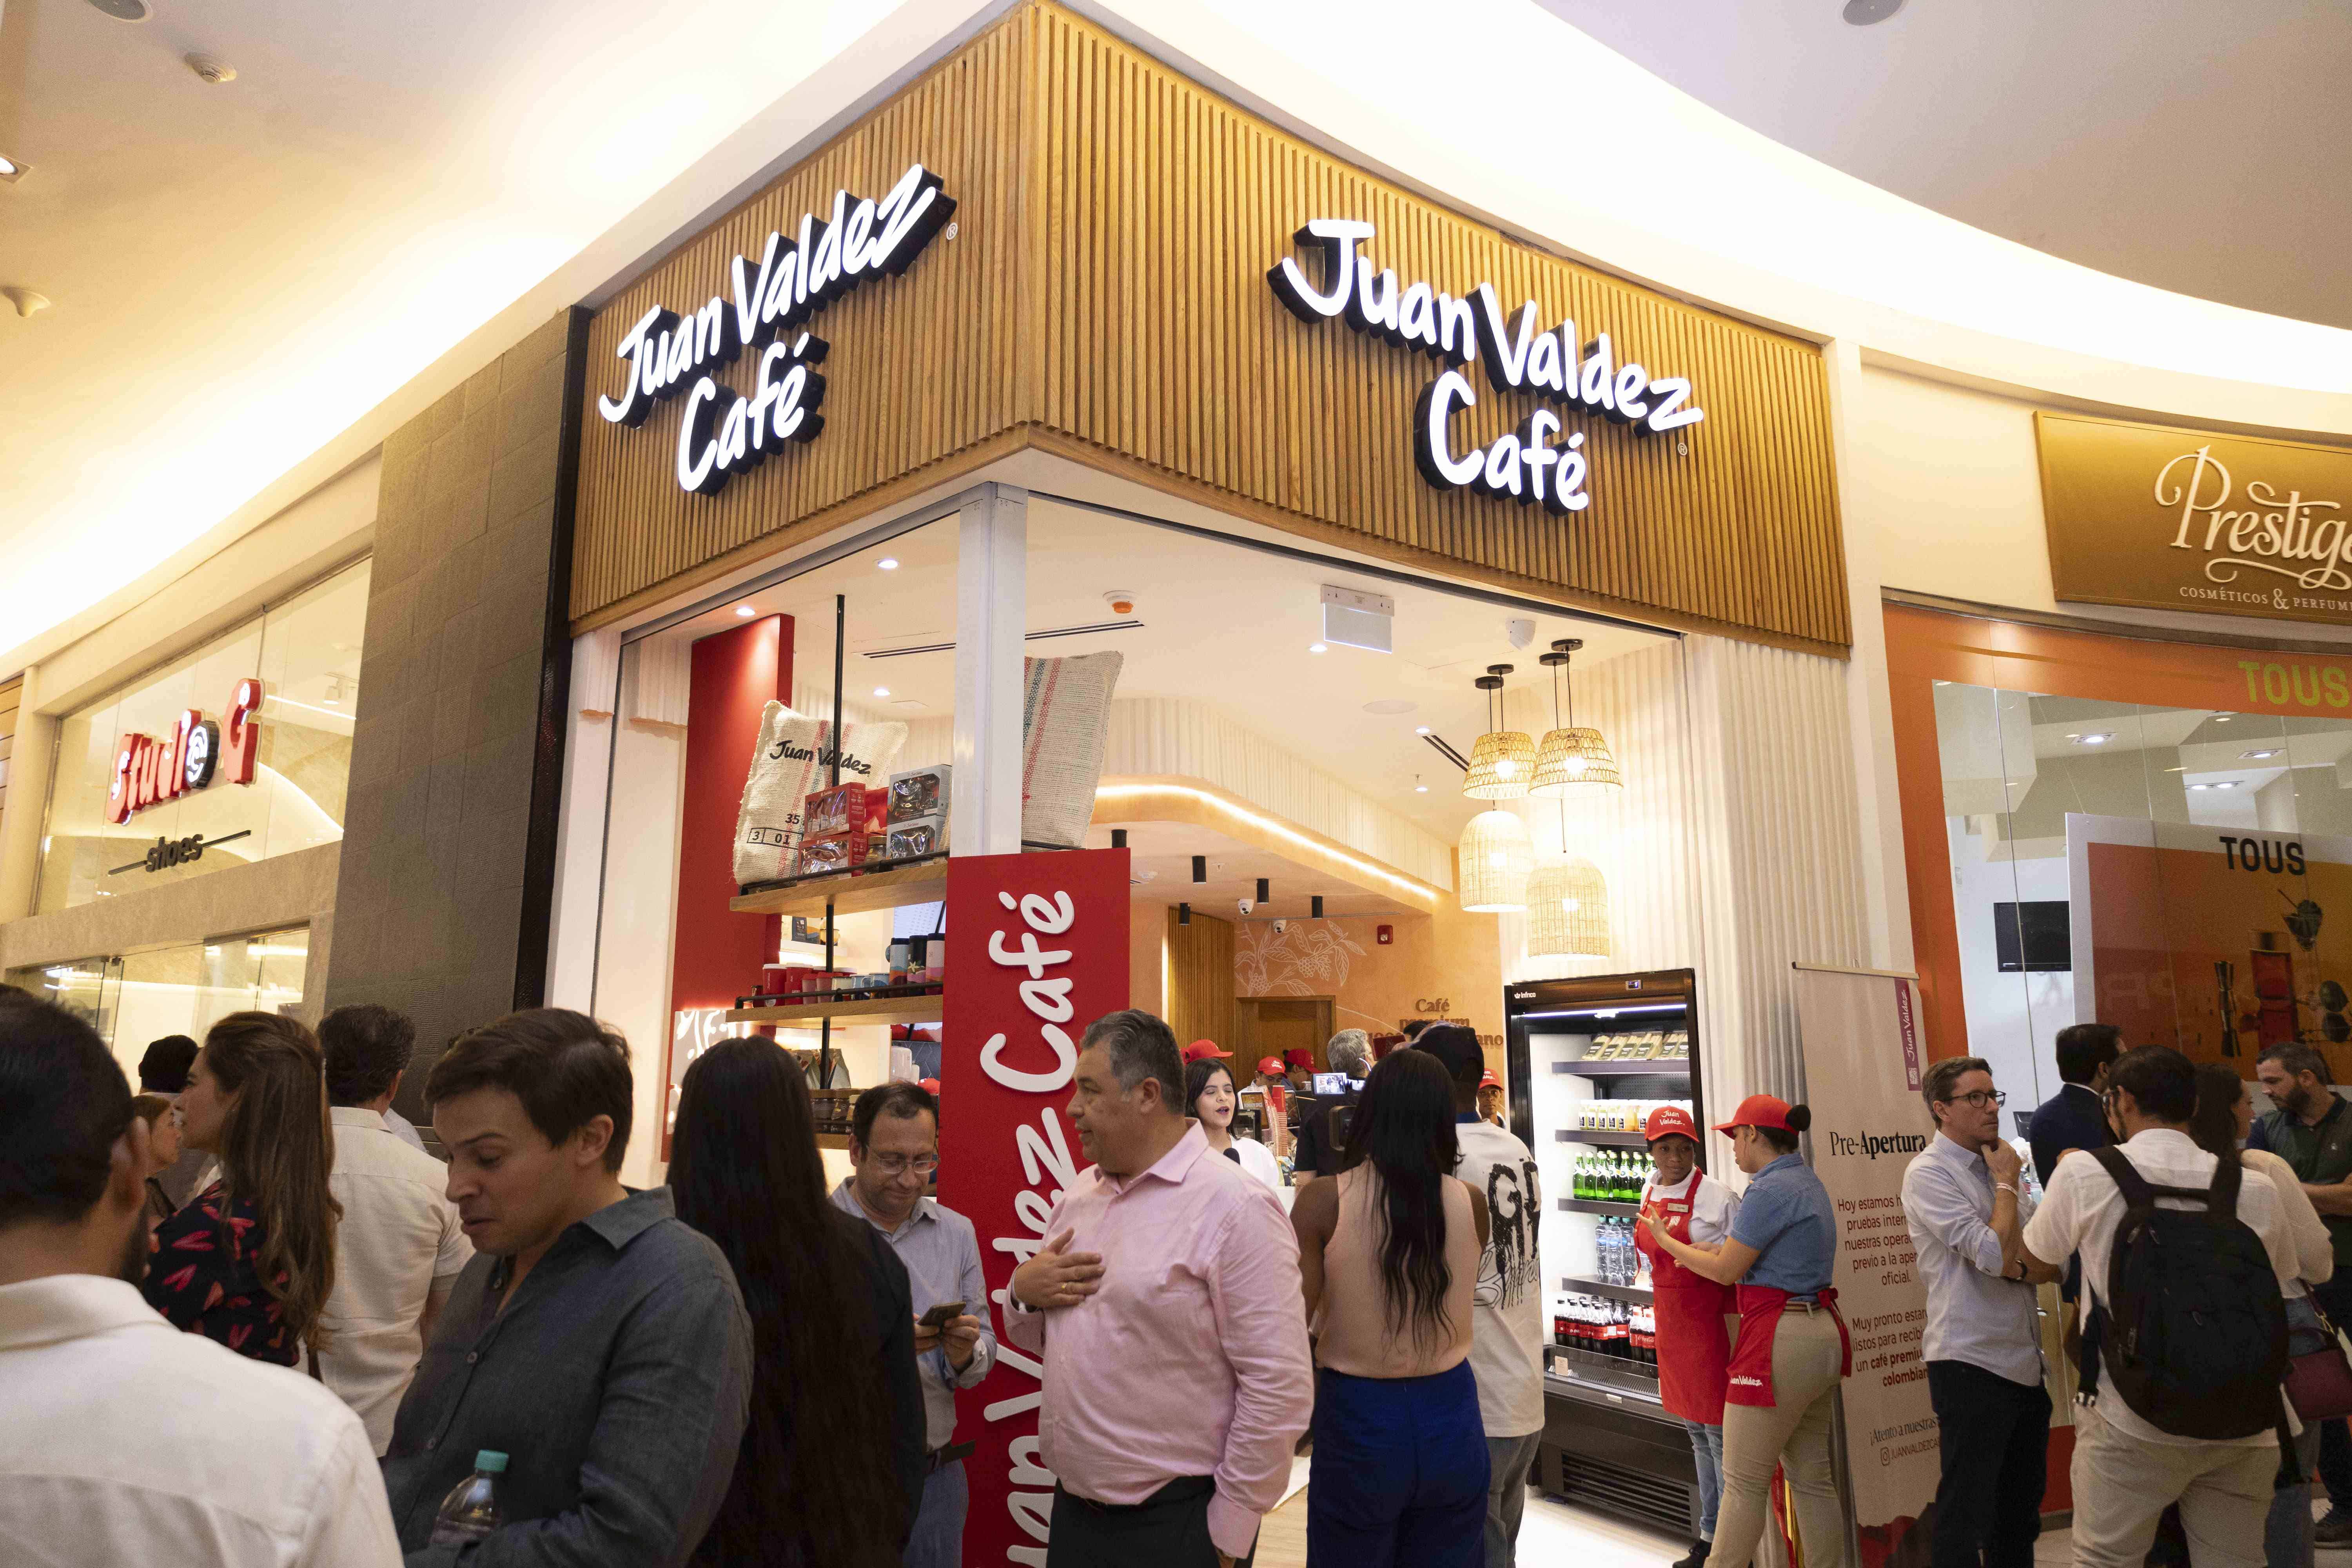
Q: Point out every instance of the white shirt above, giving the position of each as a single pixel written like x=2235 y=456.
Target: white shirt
x=126 y=1441
x=1507 y=1326
x=404 y=1129
x=1257 y=1160
x=398 y=1235
x=2083 y=1206
x=1713 y=1205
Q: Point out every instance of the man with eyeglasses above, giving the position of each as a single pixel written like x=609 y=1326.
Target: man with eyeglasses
x=1982 y=1343
x=894 y=1150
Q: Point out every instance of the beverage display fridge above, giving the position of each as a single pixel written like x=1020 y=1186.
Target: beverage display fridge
x=1590 y=1058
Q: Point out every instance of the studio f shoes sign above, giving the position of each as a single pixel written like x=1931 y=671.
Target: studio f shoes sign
x=150 y=770
x=1041 y=945
x=1519 y=353
x=721 y=432
x=2186 y=520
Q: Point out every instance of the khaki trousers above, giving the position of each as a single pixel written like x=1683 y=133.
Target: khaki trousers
x=2122 y=1484
x=1793 y=1433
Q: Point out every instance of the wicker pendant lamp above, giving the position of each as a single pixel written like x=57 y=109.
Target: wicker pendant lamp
x=1496 y=855
x=1572 y=761
x=1503 y=761
x=1567 y=908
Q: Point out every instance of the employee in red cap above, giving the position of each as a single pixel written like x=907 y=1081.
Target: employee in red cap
x=1490 y=1099
x=1200 y=1051
x=1793 y=1350
x=1694 y=1339
x=1270 y=1083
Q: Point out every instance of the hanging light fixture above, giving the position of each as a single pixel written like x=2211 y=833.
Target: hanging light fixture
x=1503 y=761
x=1496 y=855
x=1567 y=908
x=1572 y=761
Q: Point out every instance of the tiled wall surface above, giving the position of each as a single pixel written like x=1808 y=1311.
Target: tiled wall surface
x=433 y=916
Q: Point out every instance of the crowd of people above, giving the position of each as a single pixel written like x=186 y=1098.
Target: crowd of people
x=245 y=1317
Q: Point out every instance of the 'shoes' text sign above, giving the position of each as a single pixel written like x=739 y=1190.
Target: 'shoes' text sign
x=1041 y=945
x=722 y=433
x=1520 y=356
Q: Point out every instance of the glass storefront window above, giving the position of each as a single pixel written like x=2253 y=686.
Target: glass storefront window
x=306 y=652
x=135 y=1000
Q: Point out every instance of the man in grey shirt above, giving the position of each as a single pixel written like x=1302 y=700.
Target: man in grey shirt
x=1982 y=1344
x=894 y=1148
x=596 y=1341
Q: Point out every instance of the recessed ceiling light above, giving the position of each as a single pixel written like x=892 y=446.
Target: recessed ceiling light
x=1390 y=705
x=1863 y=13
x=2101 y=739
x=1421 y=728
x=1316 y=648
x=881 y=691
x=11 y=169
x=745 y=611
x=125 y=10
x=888 y=564
x=2272 y=752
x=2223 y=718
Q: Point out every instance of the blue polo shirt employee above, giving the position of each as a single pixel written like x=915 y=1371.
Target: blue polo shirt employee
x=1792 y=1350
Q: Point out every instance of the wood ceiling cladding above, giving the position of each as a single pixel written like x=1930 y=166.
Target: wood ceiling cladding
x=1107 y=299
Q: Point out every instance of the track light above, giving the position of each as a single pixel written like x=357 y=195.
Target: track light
x=1199 y=867
x=1184 y=914
x=1118 y=838
x=1315 y=906
x=1265 y=891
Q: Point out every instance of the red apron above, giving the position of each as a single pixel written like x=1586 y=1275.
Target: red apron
x=1761 y=1307
x=1694 y=1347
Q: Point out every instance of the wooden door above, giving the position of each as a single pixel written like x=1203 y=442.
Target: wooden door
x=1277 y=1026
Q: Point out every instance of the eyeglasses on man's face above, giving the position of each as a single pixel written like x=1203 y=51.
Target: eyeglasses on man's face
x=899 y=1164
x=1980 y=1098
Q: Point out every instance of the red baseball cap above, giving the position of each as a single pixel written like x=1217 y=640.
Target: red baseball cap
x=1489 y=1080
x=1200 y=1048
x=930 y=1085
x=1269 y=1064
x=1300 y=1059
x=1760 y=1110
x=1670 y=1121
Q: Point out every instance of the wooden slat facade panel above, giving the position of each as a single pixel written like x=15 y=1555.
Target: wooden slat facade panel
x=1107 y=299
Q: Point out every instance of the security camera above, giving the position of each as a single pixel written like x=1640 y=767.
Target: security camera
x=1248 y=904
x=1281 y=926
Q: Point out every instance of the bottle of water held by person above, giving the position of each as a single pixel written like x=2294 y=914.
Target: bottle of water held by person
x=470 y=1512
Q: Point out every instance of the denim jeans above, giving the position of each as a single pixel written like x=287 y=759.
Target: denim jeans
x=1706 y=1454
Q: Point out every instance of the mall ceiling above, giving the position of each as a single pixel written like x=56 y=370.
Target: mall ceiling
x=2200 y=148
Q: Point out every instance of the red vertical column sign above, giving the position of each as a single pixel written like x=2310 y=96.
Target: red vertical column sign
x=715 y=953
x=1040 y=952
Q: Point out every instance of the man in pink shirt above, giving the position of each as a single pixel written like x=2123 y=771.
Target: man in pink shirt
x=1167 y=1306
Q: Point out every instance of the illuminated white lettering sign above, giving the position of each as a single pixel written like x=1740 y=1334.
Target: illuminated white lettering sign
x=724 y=433
x=1523 y=464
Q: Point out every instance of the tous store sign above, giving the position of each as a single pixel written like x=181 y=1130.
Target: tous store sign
x=2186 y=520
x=722 y=433
x=1519 y=354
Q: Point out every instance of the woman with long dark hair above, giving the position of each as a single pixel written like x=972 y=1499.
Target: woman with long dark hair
x=1209 y=1100
x=831 y=1470
x=2224 y=1115
x=1388 y=1251
x=251 y=1259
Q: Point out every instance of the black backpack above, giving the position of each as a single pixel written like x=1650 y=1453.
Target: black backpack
x=2196 y=1337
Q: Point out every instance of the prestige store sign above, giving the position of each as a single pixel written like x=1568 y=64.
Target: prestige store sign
x=722 y=433
x=1523 y=464
x=2181 y=520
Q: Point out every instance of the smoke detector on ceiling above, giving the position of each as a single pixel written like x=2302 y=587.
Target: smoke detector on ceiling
x=210 y=71
x=125 y=10
x=1122 y=601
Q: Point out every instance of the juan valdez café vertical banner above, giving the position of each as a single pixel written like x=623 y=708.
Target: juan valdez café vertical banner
x=1040 y=953
x=1862 y=1061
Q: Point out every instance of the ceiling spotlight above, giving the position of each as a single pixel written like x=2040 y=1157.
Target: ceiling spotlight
x=1264 y=890
x=1316 y=648
x=125 y=10
x=881 y=691
x=210 y=71
x=1421 y=728
x=1199 y=867
x=11 y=170
x=888 y=564
x=1118 y=838
x=1418 y=787
x=2257 y=756
x=2098 y=738
x=26 y=300
x=1863 y=13
x=745 y=611
x=2223 y=718
x=1314 y=907
x=1184 y=914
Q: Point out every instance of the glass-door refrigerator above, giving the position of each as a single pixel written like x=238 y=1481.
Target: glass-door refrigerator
x=1590 y=1058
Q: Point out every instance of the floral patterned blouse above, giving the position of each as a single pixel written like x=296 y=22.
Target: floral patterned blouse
x=201 y=1276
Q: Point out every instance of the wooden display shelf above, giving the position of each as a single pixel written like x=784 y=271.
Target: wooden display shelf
x=926 y=883
x=874 y=1010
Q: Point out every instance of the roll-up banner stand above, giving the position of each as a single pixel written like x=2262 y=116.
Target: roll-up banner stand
x=1864 y=1054
x=1040 y=954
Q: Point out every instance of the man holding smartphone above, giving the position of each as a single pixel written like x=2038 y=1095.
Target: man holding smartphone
x=894 y=1150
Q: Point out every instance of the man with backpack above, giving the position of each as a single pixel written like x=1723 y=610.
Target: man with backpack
x=2311 y=1130
x=2185 y=1254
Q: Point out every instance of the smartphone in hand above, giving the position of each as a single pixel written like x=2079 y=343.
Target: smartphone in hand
x=940 y=1316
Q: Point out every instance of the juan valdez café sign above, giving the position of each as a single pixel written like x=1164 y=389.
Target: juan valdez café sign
x=151 y=770
x=1041 y=952
x=1519 y=356
x=722 y=433
x=2182 y=519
